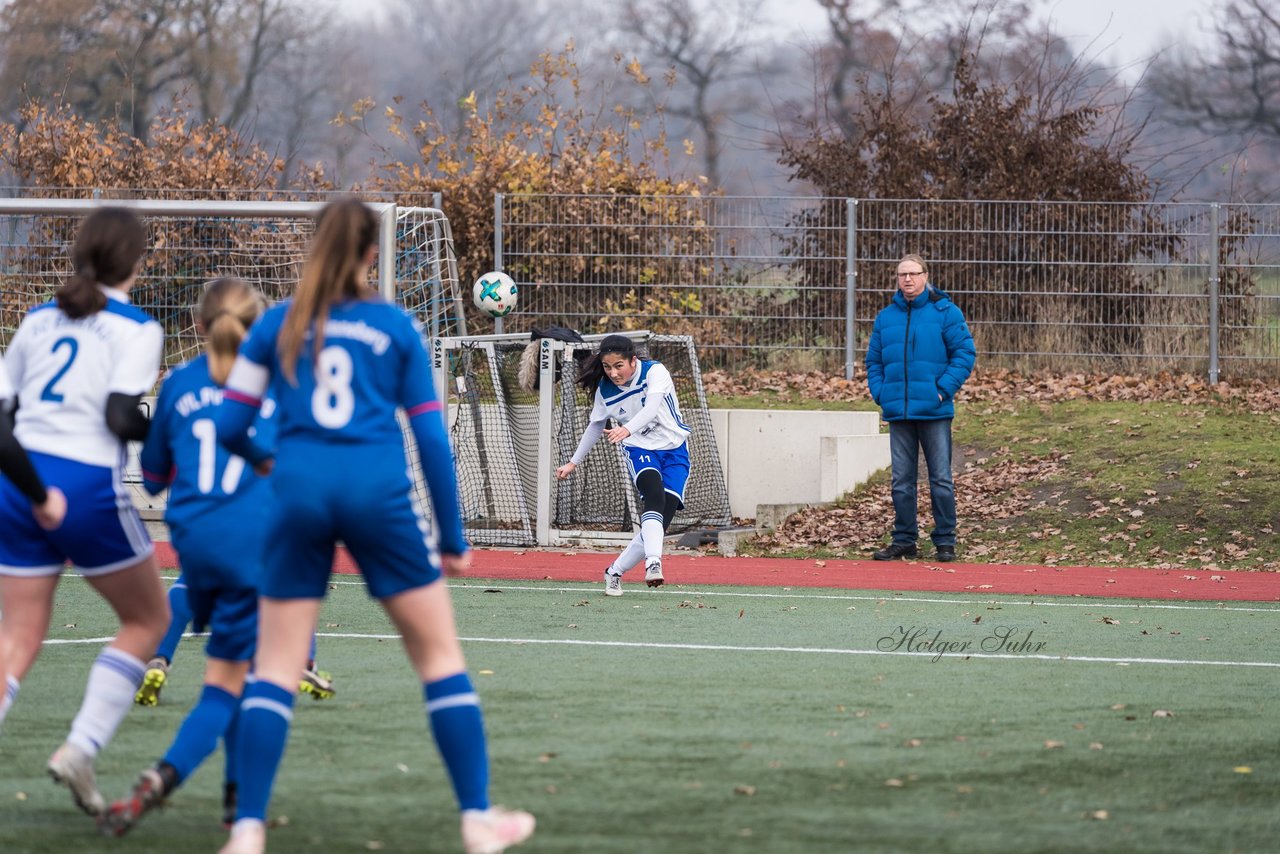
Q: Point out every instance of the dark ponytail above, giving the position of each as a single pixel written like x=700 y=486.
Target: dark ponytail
x=108 y=247
x=346 y=229
x=592 y=370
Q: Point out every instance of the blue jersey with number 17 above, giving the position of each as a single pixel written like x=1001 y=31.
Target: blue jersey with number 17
x=207 y=484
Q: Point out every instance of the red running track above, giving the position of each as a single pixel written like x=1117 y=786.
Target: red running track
x=916 y=576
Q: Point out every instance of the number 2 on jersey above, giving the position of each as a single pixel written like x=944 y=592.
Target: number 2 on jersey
x=207 y=433
x=333 y=402
x=50 y=393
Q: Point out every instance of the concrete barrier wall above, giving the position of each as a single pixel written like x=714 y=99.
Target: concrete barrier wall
x=795 y=456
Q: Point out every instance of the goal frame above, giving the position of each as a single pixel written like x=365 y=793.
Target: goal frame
x=555 y=362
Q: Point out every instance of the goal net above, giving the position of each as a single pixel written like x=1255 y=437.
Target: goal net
x=191 y=242
x=508 y=438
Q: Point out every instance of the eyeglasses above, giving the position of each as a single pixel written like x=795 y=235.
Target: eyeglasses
x=911 y=275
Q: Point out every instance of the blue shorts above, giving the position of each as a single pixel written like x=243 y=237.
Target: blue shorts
x=222 y=574
x=673 y=465
x=102 y=532
x=231 y=618
x=360 y=495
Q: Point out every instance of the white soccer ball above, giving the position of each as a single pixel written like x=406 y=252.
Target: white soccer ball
x=495 y=294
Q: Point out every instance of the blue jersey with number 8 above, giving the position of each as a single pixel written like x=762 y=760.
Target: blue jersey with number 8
x=370 y=361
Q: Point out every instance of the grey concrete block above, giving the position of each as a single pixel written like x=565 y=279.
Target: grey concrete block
x=770 y=516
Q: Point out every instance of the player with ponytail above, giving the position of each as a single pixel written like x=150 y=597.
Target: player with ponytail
x=342 y=363
x=216 y=512
x=79 y=367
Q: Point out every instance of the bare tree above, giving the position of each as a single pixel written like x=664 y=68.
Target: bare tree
x=234 y=44
x=1236 y=86
x=118 y=58
x=323 y=72
x=442 y=51
x=912 y=46
x=709 y=47
x=103 y=57
x=857 y=47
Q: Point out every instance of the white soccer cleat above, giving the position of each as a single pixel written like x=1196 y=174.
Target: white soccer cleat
x=612 y=584
x=71 y=767
x=493 y=830
x=317 y=683
x=653 y=572
x=247 y=837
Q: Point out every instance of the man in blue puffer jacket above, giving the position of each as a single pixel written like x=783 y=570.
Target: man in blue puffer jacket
x=921 y=352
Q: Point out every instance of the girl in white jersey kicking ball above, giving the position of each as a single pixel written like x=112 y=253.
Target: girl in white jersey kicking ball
x=641 y=399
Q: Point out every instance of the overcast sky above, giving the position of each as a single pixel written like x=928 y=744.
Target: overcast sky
x=1134 y=30
x=1123 y=33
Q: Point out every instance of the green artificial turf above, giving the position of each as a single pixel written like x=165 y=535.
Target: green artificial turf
x=731 y=719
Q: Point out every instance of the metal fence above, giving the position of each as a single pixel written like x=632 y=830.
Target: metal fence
x=789 y=283
x=795 y=283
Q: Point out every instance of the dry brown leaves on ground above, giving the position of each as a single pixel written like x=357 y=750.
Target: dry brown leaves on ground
x=988 y=489
x=1002 y=385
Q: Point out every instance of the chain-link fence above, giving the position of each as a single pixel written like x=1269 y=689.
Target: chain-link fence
x=790 y=283
x=795 y=283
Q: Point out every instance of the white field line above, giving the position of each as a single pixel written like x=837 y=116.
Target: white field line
x=1266 y=607
x=804 y=650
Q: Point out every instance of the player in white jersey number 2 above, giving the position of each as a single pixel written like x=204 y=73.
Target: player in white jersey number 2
x=640 y=398
x=79 y=367
x=48 y=504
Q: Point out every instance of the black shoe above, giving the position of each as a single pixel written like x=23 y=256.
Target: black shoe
x=893 y=551
x=228 y=805
x=945 y=554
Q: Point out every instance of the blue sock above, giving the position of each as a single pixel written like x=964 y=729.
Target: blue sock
x=311 y=656
x=199 y=733
x=230 y=744
x=456 y=723
x=265 y=714
x=181 y=609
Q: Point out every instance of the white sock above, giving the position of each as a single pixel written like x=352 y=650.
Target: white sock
x=630 y=556
x=113 y=680
x=651 y=531
x=10 y=694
